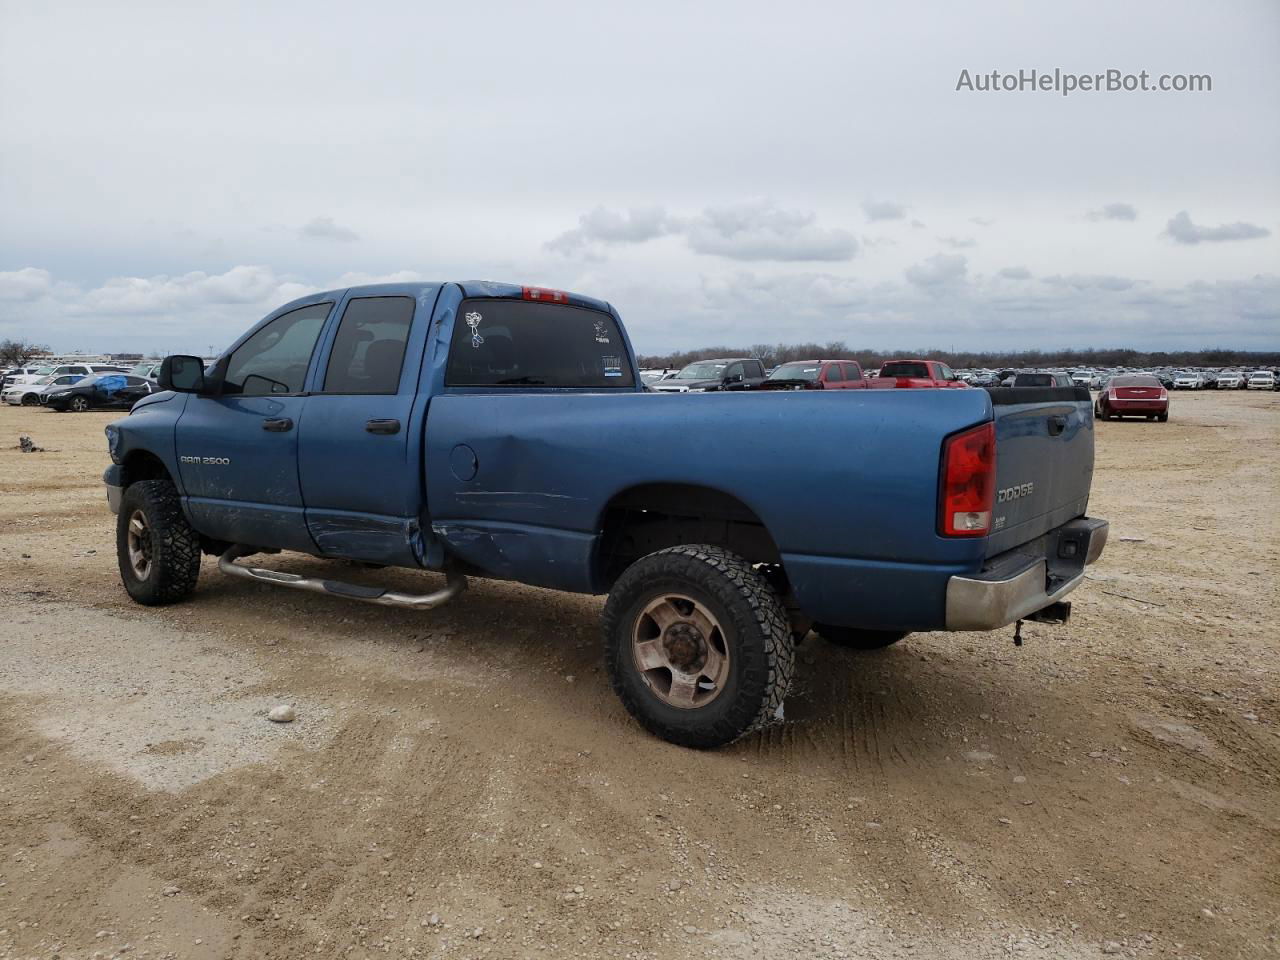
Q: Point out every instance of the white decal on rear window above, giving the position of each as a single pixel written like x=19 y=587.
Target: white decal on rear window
x=473 y=321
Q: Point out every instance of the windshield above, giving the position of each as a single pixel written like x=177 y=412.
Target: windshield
x=904 y=369
x=518 y=343
x=707 y=370
x=796 y=371
x=43 y=371
x=1134 y=381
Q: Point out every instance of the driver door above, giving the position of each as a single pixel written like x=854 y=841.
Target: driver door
x=238 y=450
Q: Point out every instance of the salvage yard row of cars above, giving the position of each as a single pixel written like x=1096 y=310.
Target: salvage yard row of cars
x=750 y=373
x=79 y=386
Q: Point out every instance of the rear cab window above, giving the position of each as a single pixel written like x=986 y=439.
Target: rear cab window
x=518 y=343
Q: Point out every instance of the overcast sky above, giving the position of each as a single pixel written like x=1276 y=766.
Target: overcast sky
x=722 y=172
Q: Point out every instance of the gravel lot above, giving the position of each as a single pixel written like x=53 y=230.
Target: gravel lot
x=463 y=783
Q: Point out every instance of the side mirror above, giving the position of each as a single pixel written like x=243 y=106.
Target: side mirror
x=181 y=373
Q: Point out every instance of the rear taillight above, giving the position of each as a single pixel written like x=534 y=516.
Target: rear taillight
x=968 y=482
x=543 y=295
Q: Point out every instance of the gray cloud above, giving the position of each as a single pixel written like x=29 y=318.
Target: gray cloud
x=943 y=269
x=28 y=283
x=958 y=243
x=762 y=231
x=981 y=221
x=1114 y=211
x=1015 y=273
x=323 y=228
x=754 y=230
x=602 y=226
x=884 y=210
x=1182 y=230
x=1092 y=281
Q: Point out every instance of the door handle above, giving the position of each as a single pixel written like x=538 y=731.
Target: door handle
x=382 y=426
x=1057 y=424
x=277 y=424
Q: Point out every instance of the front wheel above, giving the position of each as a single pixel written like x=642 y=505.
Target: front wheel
x=29 y=400
x=158 y=552
x=697 y=645
x=79 y=404
x=856 y=639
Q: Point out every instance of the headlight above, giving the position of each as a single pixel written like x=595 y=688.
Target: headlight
x=113 y=442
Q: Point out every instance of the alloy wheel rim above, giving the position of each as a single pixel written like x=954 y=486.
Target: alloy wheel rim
x=680 y=651
x=139 y=544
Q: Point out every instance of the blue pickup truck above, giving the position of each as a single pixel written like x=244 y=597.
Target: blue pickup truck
x=488 y=430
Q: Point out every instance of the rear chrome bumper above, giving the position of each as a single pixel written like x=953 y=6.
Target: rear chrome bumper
x=1019 y=584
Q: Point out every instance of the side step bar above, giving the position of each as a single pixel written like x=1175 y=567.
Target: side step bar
x=454 y=584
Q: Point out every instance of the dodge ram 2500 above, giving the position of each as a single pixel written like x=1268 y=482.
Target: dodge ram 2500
x=489 y=430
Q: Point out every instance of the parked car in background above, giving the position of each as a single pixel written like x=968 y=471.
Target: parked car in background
x=1046 y=380
x=1188 y=380
x=1262 y=380
x=10 y=375
x=149 y=369
x=105 y=391
x=31 y=394
x=1232 y=380
x=706 y=376
x=816 y=375
x=913 y=374
x=1133 y=395
x=1083 y=378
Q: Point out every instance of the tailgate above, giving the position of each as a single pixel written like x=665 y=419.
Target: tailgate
x=1044 y=461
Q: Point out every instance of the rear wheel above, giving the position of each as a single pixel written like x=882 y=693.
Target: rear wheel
x=697 y=645
x=855 y=639
x=157 y=551
x=79 y=404
x=1163 y=417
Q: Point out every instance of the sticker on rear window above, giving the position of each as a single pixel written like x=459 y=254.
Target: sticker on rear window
x=473 y=321
x=612 y=366
x=602 y=332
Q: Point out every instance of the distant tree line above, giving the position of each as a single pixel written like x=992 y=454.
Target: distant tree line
x=969 y=359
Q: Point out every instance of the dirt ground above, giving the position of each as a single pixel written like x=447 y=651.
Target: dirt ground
x=462 y=783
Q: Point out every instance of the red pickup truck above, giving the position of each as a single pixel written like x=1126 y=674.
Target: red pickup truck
x=916 y=374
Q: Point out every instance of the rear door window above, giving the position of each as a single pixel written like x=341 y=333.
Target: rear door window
x=518 y=343
x=851 y=372
x=368 y=351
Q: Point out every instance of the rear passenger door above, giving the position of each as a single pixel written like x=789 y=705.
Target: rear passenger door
x=358 y=456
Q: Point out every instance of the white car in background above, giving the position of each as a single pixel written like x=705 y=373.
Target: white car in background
x=1262 y=380
x=1188 y=381
x=31 y=394
x=1232 y=380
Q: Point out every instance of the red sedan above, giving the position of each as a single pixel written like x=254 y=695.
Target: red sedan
x=1133 y=395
